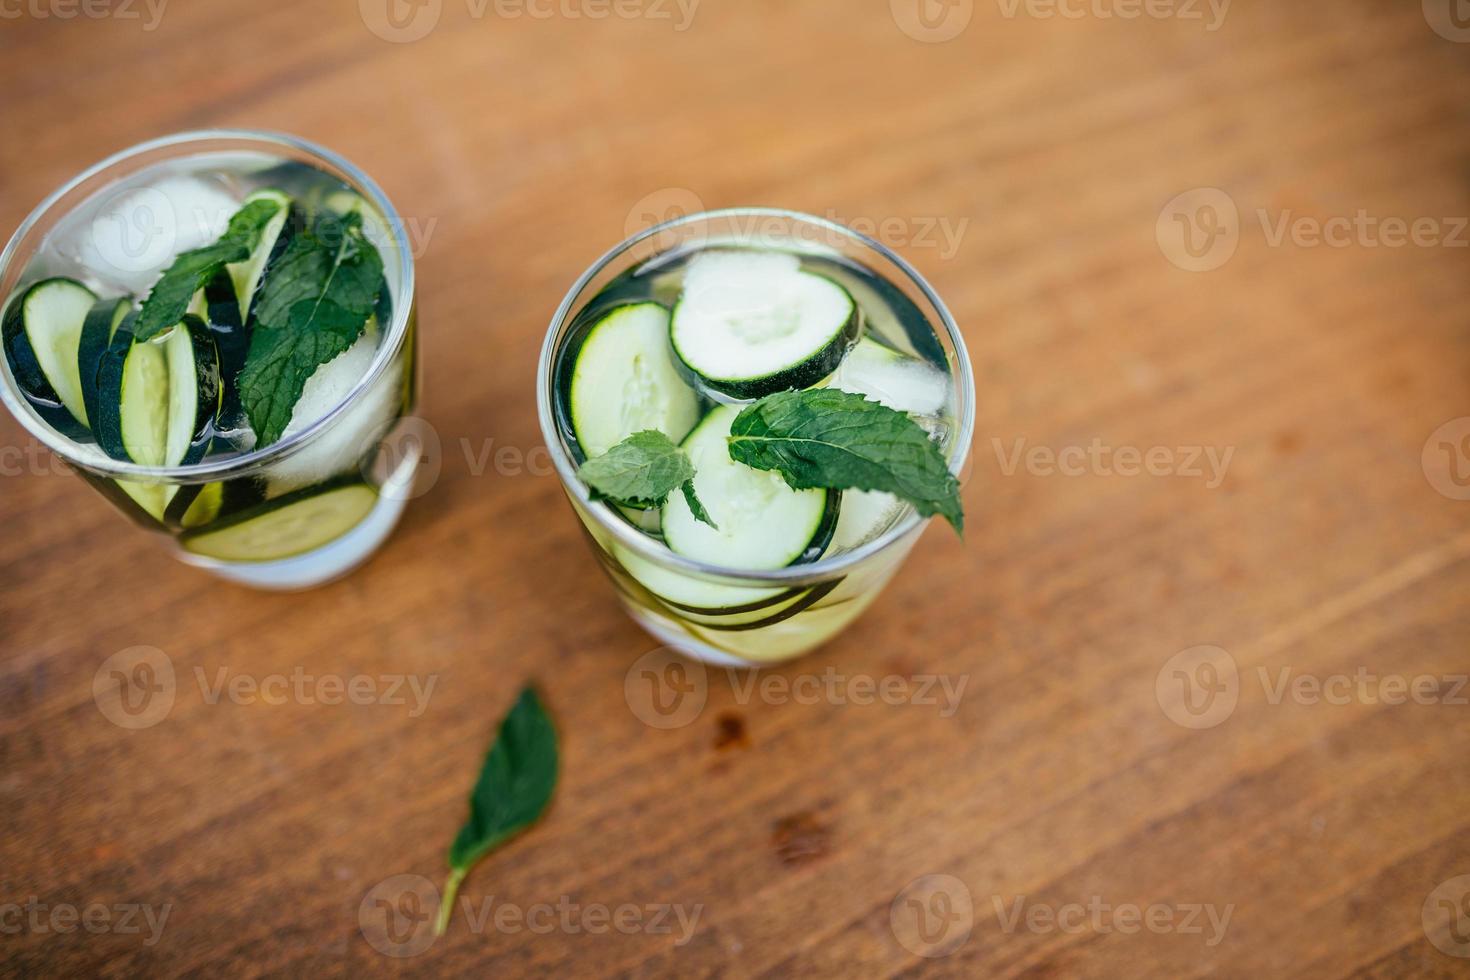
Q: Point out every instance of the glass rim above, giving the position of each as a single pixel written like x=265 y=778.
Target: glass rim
x=214 y=469
x=644 y=546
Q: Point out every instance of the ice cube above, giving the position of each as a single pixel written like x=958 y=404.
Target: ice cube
x=865 y=514
x=902 y=383
x=340 y=448
x=130 y=236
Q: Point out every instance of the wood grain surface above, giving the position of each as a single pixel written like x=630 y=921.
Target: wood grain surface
x=1075 y=801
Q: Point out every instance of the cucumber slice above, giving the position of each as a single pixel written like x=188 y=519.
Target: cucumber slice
x=286 y=526
x=694 y=595
x=245 y=276
x=193 y=391
x=157 y=400
x=97 y=330
x=623 y=381
x=132 y=386
x=42 y=332
x=763 y=523
x=752 y=323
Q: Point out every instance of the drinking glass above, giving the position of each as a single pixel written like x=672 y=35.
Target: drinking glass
x=796 y=608
x=356 y=447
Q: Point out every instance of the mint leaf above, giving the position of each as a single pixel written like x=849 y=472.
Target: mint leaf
x=828 y=438
x=313 y=305
x=641 y=471
x=190 y=271
x=696 y=507
x=515 y=785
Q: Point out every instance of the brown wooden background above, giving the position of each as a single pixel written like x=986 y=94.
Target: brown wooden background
x=523 y=147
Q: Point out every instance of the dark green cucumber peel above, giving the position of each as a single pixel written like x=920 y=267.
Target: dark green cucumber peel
x=97 y=333
x=204 y=358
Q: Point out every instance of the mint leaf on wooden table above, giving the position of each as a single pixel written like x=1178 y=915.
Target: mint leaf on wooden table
x=515 y=785
x=837 y=440
x=313 y=305
x=641 y=471
x=190 y=271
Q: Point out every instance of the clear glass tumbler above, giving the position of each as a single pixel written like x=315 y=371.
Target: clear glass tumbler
x=306 y=509
x=798 y=607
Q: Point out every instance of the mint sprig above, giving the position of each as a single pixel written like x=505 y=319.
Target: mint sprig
x=190 y=271
x=514 y=787
x=641 y=471
x=314 y=304
x=833 y=439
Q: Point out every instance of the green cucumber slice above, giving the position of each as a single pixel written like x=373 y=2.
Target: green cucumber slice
x=97 y=330
x=132 y=386
x=750 y=323
x=246 y=276
x=42 y=331
x=193 y=391
x=287 y=526
x=763 y=523
x=623 y=381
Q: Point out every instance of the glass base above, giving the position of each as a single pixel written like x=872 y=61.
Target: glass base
x=332 y=560
x=326 y=564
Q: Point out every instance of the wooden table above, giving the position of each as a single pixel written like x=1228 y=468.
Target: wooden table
x=1077 y=823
